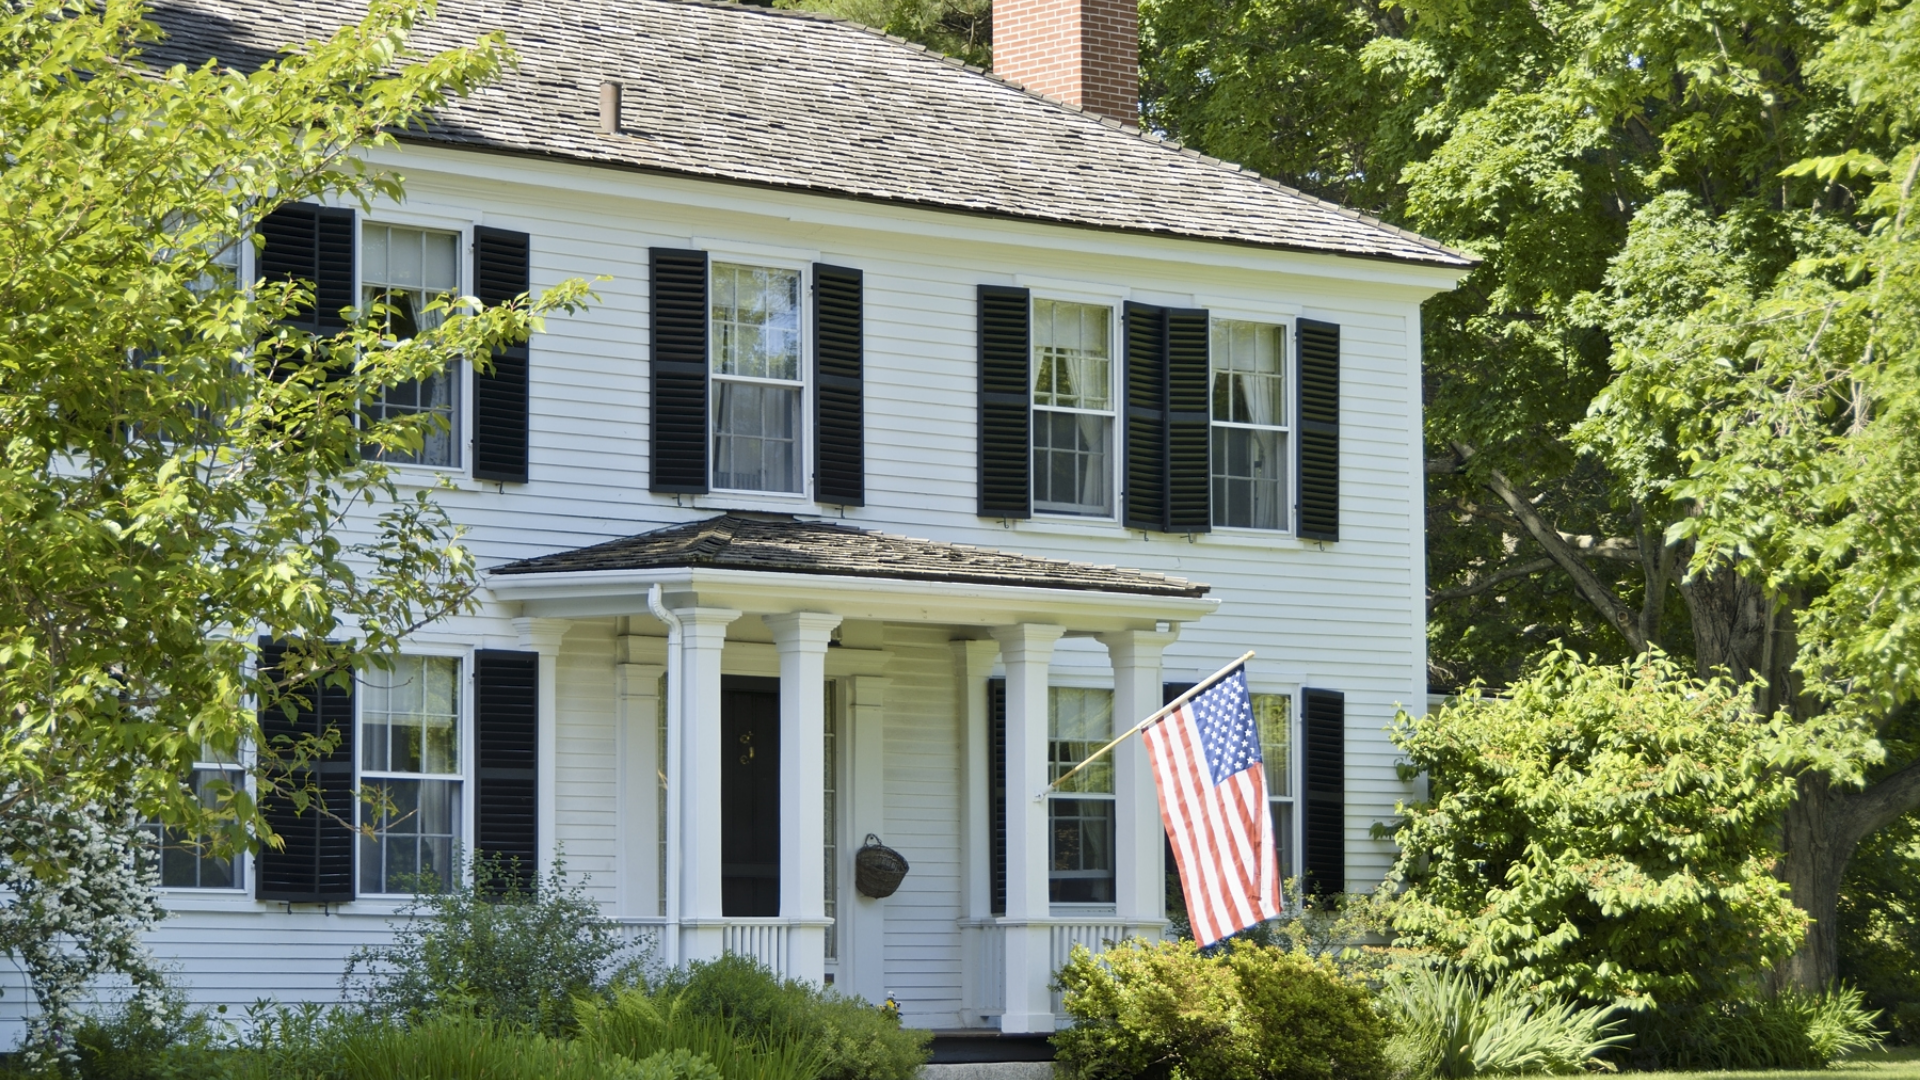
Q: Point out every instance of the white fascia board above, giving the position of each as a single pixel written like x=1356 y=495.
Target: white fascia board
x=851 y=212
x=580 y=594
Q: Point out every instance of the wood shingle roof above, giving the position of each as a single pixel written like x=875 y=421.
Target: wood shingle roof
x=781 y=544
x=798 y=101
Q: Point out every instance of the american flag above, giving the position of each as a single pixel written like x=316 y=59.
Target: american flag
x=1213 y=800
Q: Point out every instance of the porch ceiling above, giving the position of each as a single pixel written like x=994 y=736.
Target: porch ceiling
x=764 y=564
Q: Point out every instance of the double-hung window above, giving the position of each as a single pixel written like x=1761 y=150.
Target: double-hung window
x=402 y=270
x=1251 y=450
x=758 y=379
x=1080 y=811
x=187 y=861
x=1073 y=408
x=1273 y=715
x=410 y=736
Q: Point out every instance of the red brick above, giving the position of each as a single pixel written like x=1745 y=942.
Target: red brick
x=1083 y=52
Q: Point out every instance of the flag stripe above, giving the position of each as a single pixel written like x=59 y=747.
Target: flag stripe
x=1213 y=803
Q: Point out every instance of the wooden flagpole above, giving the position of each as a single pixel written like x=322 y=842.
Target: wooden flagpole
x=1198 y=688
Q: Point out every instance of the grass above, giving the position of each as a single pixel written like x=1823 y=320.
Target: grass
x=1900 y=1063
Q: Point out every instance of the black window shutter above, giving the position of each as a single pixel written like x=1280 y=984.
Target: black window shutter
x=305 y=242
x=314 y=865
x=1319 y=485
x=502 y=270
x=1006 y=403
x=506 y=723
x=679 y=414
x=1146 y=499
x=1189 y=426
x=997 y=791
x=839 y=351
x=1325 y=761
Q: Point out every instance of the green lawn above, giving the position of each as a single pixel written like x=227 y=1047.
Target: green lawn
x=1898 y=1064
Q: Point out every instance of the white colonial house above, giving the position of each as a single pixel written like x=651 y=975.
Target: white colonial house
x=931 y=425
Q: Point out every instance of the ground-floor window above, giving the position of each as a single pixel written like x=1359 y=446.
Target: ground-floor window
x=1081 y=866
x=1274 y=715
x=187 y=861
x=410 y=765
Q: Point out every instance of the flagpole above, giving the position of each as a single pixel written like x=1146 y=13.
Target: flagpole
x=1198 y=688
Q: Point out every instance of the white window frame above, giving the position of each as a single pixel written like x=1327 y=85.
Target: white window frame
x=803 y=424
x=464 y=683
x=241 y=860
x=1073 y=908
x=1296 y=770
x=462 y=227
x=1290 y=372
x=1115 y=304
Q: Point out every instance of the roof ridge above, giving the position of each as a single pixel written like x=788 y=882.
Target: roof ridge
x=1136 y=130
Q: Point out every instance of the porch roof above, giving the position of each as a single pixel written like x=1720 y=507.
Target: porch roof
x=788 y=545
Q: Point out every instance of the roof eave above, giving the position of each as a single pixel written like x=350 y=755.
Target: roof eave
x=581 y=594
x=1445 y=259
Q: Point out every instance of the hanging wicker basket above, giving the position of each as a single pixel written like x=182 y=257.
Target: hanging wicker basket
x=878 y=869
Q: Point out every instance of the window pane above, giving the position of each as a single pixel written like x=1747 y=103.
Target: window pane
x=1274 y=715
x=756 y=322
x=755 y=444
x=1073 y=358
x=401 y=272
x=1078 y=723
x=410 y=716
x=1250 y=478
x=411 y=848
x=1081 y=871
x=188 y=862
x=1249 y=373
x=1071 y=463
x=1283 y=837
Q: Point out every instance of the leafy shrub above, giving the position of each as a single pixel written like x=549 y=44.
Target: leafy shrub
x=672 y=1065
x=1449 y=1025
x=491 y=950
x=656 y=1029
x=1793 y=1030
x=1166 y=1011
x=1604 y=832
x=139 y=1041
x=854 y=1040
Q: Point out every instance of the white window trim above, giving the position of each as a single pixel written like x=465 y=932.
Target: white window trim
x=1291 y=372
x=772 y=259
x=1115 y=303
x=462 y=225
x=463 y=829
x=1296 y=768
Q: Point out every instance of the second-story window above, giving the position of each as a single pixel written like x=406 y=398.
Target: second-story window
x=757 y=378
x=404 y=270
x=1250 y=425
x=1072 y=408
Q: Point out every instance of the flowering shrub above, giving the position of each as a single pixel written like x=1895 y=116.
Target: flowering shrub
x=79 y=884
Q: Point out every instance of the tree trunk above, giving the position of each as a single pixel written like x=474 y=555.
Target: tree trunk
x=1822 y=829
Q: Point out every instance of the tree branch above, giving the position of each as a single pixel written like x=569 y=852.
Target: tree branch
x=1525 y=569
x=1565 y=555
x=1879 y=804
x=1446 y=466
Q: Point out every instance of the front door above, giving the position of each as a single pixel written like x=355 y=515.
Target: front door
x=750 y=796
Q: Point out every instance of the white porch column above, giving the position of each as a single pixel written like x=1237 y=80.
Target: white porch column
x=863 y=927
x=801 y=638
x=1027 y=650
x=543 y=636
x=637 y=670
x=1140 y=888
x=696 y=716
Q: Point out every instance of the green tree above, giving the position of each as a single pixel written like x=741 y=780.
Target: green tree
x=1669 y=409
x=959 y=28
x=182 y=468
x=1603 y=831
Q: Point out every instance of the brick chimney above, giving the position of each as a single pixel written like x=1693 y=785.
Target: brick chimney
x=1082 y=52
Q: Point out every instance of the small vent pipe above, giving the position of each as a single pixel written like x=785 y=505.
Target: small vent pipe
x=610 y=107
